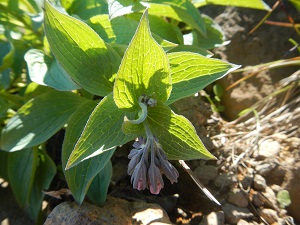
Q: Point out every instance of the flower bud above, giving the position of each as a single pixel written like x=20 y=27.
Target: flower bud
x=156 y=182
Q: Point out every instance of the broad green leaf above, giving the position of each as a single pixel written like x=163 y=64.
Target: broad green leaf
x=162 y=28
x=118 y=8
x=21 y=169
x=39 y=119
x=255 y=4
x=120 y=30
x=176 y=134
x=283 y=198
x=144 y=70
x=101 y=133
x=89 y=61
x=6 y=55
x=184 y=12
x=80 y=176
x=133 y=129
x=98 y=190
x=85 y=9
x=296 y=4
x=191 y=48
x=192 y=72
x=214 y=36
x=42 y=179
x=46 y=71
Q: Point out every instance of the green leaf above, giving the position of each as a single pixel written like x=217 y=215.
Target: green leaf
x=214 y=35
x=191 y=48
x=46 y=71
x=3 y=165
x=184 y=12
x=39 y=119
x=6 y=55
x=101 y=133
x=255 y=4
x=80 y=176
x=283 y=198
x=120 y=30
x=85 y=9
x=42 y=179
x=144 y=70
x=21 y=169
x=296 y=4
x=192 y=72
x=98 y=190
x=176 y=134
x=118 y=8
x=89 y=61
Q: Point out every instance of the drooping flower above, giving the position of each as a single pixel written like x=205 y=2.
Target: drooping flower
x=149 y=175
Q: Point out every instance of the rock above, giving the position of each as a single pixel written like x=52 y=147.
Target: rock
x=206 y=173
x=268 y=149
x=233 y=213
x=115 y=212
x=214 y=218
x=265 y=167
x=238 y=198
x=259 y=182
x=242 y=222
x=257 y=199
x=292 y=185
x=247 y=181
x=225 y=180
x=269 y=215
x=270 y=197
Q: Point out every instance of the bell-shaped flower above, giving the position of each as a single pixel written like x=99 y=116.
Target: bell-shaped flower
x=155 y=180
x=139 y=176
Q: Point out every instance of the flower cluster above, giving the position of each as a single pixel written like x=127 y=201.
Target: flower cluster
x=145 y=174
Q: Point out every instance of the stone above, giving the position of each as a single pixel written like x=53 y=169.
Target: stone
x=268 y=149
x=257 y=199
x=270 y=196
x=214 y=218
x=233 y=213
x=259 y=182
x=225 y=180
x=242 y=222
x=238 y=198
x=247 y=181
x=206 y=173
x=292 y=185
x=269 y=215
x=115 y=212
x=265 y=167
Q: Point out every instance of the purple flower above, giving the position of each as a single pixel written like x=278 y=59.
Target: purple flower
x=149 y=175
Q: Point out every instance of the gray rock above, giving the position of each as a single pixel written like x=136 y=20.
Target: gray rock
x=233 y=213
x=206 y=173
x=238 y=198
x=115 y=211
x=268 y=149
x=257 y=199
x=242 y=222
x=214 y=218
x=265 y=167
x=225 y=180
x=259 y=182
x=270 y=197
x=247 y=181
x=269 y=215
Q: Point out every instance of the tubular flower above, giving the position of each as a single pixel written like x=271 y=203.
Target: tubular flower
x=145 y=174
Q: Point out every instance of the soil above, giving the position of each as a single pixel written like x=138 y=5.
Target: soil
x=233 y=178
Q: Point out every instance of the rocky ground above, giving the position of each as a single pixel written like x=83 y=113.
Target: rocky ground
x=257 y=154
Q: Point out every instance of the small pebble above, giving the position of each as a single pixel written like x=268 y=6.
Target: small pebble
x=259 y=182
x=238 y=198
x=269 y=215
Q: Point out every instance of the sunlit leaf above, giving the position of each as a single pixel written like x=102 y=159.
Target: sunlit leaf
x=144 y=70
x=255 y=4
x=102 y=132
x=46 y=71
x=80 y=176
x=192 y=72
x=176 y=134
x=89 y=61
x=39 y=119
